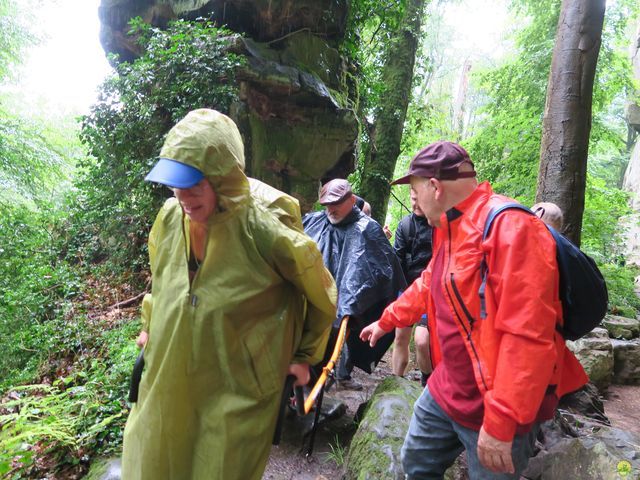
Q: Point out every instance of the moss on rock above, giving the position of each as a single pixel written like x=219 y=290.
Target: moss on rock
x=375 y=448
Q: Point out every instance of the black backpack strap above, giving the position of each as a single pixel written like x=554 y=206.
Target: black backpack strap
x=493 y=213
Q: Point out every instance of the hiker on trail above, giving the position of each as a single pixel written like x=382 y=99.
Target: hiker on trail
x=240 y=298
x=497 y=377
x=550 y=214
x=412 y=244
x=367 y=273
x=363 y=205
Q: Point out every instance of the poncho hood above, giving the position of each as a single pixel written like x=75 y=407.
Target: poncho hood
x=210 y=141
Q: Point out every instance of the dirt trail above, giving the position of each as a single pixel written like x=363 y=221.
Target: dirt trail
x=287 y=462
x=622 y=406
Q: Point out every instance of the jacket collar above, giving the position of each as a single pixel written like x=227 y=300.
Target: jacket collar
x=483 y=190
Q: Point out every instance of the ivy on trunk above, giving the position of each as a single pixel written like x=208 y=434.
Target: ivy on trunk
x=397 y=76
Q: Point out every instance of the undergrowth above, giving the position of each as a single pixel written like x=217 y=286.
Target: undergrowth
x=62 y=425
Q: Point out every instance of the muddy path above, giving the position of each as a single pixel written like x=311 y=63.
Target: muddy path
x=288 y=462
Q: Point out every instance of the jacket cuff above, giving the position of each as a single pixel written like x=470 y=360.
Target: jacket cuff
x=385 y=322
x=498 y=425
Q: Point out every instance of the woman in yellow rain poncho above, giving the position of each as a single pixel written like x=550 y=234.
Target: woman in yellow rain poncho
x=240 y=297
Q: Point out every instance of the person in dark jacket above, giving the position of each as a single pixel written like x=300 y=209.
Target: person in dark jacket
x=412 y=245
x=367 y=273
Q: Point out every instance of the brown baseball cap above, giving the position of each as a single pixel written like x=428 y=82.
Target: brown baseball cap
x=335 y=191
x=438 y=160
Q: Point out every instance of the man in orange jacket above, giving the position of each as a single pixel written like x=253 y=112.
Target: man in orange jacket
x=496 y=377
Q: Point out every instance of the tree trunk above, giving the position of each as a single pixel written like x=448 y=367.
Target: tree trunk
x=567 y=114
x=459 y=107
x=397 y=76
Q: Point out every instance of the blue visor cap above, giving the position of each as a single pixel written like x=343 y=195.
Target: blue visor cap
x=174 y=174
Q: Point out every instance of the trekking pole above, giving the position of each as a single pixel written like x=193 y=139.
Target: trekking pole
x=317 y=393
x=303 y=407
x=328 y=368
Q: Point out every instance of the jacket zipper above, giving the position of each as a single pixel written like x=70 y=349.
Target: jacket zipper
x=464 y=308
x=193 y=299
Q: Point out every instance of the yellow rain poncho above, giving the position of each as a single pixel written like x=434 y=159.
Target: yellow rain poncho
x=219 y=348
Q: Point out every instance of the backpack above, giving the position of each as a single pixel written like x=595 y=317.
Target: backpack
x=583 y=291
x=408 y=229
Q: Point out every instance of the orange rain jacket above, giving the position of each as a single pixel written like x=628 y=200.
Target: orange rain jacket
x=516 y=351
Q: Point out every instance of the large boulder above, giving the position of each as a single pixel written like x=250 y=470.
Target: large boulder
x=626 y=362
x=621 y=327
x=579 y=447
x=262 y=20
x=595 y=353
x=298 y=126
x=375 y=448
x=297 y=96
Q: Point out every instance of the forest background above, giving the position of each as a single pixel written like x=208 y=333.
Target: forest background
x=75 y=213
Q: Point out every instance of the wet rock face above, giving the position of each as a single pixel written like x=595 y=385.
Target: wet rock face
x=296 y=111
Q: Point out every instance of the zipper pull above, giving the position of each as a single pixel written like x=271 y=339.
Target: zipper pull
x=194 y=300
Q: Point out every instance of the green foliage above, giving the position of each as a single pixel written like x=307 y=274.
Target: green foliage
x=338 y=452
x=601 y=229
x=184 y=67
x=620 y=282
x=78 y=415
x=35 y=286
x=369 y=27
x=506 y=144
x=32 y=161
x=14 y=36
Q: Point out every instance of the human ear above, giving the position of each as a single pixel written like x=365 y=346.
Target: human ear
x=437 y=187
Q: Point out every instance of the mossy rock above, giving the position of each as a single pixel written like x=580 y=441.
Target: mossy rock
x=104 y=469
x=621 y=327
x=595 y=353
x=375 y=448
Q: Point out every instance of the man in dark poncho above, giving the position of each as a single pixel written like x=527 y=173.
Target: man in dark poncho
x=367 y=272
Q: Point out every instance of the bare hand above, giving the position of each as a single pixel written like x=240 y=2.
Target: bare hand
x=372 y=334
x=495 y=454
x=387 y=231
x=301 y=372
x=141 y=341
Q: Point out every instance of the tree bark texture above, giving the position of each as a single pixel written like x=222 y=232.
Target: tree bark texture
x=397 y=76
x=567 y=115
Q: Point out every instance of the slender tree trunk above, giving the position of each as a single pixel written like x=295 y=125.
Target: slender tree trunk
x=567 y=115
x=459 y=108
x=397 y=76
